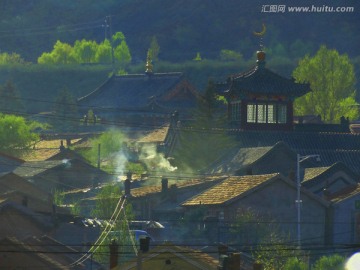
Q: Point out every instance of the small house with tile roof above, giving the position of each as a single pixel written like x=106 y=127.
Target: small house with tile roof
x=345 y=212
x=257 y=160
x=17 y=189
x=21 y=222
x=270 y=195
x=137 y=99
x=170 y=256
x=260 y=98
x=163 y=200
x=41 y=253
x=67 y=174
x=325 y=181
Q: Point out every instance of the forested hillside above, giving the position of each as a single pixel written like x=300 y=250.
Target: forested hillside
x=184 y=30
x=182 y=27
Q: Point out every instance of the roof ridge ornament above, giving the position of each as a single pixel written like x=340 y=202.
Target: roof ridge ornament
x=261 y=53
x=260 y=35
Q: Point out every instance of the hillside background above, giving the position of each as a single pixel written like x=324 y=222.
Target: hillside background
x=183 y=28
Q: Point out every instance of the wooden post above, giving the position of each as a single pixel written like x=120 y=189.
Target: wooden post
x=114 y=255
x=139 y=260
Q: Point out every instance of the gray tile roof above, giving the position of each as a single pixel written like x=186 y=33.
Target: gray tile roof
x=8 y=163
x=260 y=80
x=332 y=147
x=32 y=168
x=136 y=91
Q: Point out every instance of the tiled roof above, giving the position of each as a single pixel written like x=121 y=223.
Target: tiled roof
x=8 y=163
x=130 y=92
x=229 y=189
x=243 y=156
x=311 y=173
x=40 y=220
x=13 y=246
x=332 y=147
x=44 y=150
x=345 y=194
x=32 y=168
x=199 y=260
x=148 y=190
x=261 y=80
x=155 y=136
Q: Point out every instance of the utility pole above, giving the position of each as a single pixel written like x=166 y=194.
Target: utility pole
x=109 y=23
x=106 y=25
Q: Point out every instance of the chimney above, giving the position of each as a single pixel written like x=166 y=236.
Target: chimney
x=114 y=255
x=164 y=185
x=62 y=147
x=173 y=193
x=127 y=185
x=223 y=249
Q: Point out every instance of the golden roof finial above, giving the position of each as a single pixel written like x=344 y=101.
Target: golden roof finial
x=260 y=35
x=148 y=66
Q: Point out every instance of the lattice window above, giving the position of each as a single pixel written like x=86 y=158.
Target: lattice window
x=251 y=113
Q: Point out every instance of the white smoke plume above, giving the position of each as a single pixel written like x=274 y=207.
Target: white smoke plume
x=155 y=161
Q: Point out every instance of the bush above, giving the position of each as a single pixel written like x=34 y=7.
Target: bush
x=294 y=264
x=333 y=262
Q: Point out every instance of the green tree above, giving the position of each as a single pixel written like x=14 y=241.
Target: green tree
x=16 y=135
x=295 y=264
x=46 y=58
x=332 y=81
x=13 y=58
x=197 y=57
x=85 y=51
x=10 y=100
x=111 y=143
x=108 y=208
x=103 y=52
x=154 y=49
x=65 y=111
x=229 y=55
x=121 y=49
x=251 y=228
x=333 y=262
x=274 y=253
x=62 y=53
x=206 y=141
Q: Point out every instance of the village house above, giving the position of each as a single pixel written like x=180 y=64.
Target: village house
x=62 y=175
x=273 y=197
x=257 y=160
x=345 y=211
x=327 y=181
x=170 y=256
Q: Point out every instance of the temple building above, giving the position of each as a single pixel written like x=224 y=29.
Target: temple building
x=260 y=99
x=149 y=98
